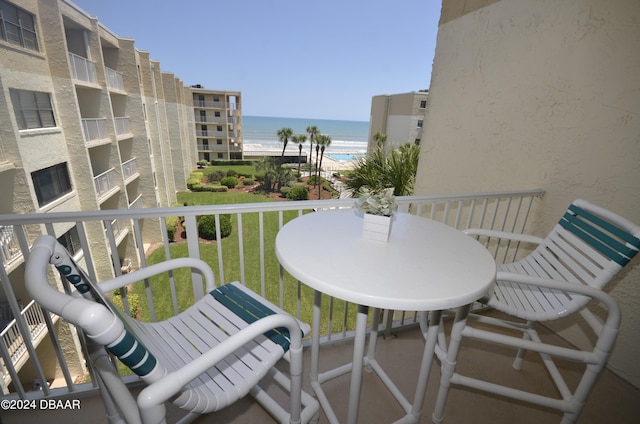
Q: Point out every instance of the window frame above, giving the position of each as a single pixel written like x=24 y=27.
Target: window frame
x=20 y=28
x=59 y=183
x=31 y=110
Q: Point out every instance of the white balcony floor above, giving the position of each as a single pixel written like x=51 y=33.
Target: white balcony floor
x=611 y=401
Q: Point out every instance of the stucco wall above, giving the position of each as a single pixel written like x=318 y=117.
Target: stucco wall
x=543 y=94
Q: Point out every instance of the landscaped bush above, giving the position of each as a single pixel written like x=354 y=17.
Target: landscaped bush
x=298 y=192
x=207 y=226
x=231 y=173
x=209 y=187
x=132 y=298
x=315 y=180
x=248 y=182
x=172 y=227
x=229 y=182
x=215 y=175
x=194 y=178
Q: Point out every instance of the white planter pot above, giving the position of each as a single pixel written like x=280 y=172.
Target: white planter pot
x=376 y=227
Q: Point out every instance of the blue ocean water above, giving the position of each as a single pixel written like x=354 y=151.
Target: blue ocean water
x=347 y=137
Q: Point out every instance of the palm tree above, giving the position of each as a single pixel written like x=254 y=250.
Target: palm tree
x=299 y=139
x=284 y=134
x=323 y=141
x=379 y=170
x=380 y=139
x=313 y=132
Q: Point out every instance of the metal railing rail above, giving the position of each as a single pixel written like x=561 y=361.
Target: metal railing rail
x=234 y=257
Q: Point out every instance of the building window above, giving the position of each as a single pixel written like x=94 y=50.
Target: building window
x=219 y=128
x=217 y=114
x=33 y=109
x=216 y=99
x=71 y=241
x=18 y=26
x=420 y=123
x=423 y=104
x=51 y=183
x=220 y=156
x=219 y=141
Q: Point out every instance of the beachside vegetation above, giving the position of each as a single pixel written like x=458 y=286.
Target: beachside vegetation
x=379 y=169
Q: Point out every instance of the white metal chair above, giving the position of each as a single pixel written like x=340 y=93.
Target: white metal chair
x=565 y=272
x=203 y=359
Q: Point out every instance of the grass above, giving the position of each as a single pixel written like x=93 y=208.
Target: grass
x=160 y=285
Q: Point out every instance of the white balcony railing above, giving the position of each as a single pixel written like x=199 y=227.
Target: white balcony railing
x=122 y=125
x=247 y=254
x=115 y=80
x=105 y=183
x=94 y=129
x=82 y=69
x=129 y=169
x=9 y=247
x=13 y=344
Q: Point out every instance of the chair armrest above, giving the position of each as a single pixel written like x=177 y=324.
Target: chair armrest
x=614 y=315
x=149 y=271
x=153 y=396
x=504 y=235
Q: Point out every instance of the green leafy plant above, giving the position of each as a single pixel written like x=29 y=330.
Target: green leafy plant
x=207 y=226
x=376 y=202
x=229 y=182
x=298 y=192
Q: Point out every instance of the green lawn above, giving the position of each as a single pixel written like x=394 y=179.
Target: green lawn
x=160 y=286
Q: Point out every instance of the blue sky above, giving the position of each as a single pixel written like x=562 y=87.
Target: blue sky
x=320 y=59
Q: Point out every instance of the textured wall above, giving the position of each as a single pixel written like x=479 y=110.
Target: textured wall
x=543 y=94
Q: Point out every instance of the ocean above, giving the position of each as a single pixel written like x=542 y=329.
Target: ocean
x=348 y=138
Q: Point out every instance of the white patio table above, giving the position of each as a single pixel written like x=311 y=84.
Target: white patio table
x=424 y=266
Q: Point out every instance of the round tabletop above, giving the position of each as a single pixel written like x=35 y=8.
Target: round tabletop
x=425 y=265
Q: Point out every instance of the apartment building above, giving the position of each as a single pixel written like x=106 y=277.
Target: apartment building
x=87 y=122
x=218 y=123
x=398 y=116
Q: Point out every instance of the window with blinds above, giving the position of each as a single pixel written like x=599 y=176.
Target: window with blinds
x=18 y=26
x=33 y=109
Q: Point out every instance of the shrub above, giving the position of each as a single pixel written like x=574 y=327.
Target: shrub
x=231 y=173
x=207 y=226
x=215 y=175
x=172 y=227
x=248 y=181
x=202 y=163
x=298 y=192
x=132 y=298
x=315 y=180
x=229 y=182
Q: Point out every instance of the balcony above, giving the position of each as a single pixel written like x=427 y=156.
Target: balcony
x=9 y=247
x=130 y=170
x=95 y=131
x=106 y=184
x=210 y=119
x=115 y=80
x=247 y=256
x=83 y=70
x=122 y=127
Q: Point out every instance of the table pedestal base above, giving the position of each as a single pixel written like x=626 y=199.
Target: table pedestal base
x=412 y=410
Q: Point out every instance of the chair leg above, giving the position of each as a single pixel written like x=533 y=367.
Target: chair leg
x=449 y=362
x=517 y=363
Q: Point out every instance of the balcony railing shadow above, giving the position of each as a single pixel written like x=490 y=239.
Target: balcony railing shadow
x=246 y=255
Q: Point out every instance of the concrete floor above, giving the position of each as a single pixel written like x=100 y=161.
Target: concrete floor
x=611 y=401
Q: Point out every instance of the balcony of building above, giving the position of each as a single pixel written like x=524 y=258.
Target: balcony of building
x=115 y=81
x=612 y=400
x=106 y=184
x=83 y=71
x=95 y=131
x=130 y=170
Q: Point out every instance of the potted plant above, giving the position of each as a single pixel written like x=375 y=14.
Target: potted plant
x=378 y=207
